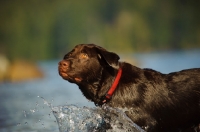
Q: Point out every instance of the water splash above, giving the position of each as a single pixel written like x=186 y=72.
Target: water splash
x=83 y=119
x=46 y=102
x=71 y=118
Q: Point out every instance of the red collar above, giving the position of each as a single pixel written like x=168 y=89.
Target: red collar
x=113 y=87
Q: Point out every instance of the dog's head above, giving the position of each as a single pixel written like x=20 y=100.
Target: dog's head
x=85 y=62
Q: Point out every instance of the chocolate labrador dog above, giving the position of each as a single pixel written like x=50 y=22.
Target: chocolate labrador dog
x=154 y=101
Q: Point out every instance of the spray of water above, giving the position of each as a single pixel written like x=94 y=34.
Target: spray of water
x=71 y=118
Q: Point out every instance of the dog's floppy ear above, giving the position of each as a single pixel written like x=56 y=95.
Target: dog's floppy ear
x=112 y=59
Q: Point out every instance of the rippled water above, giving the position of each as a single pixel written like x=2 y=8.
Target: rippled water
x=52 y=104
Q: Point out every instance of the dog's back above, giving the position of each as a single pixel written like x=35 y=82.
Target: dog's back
x=184 y=93
x=172 y=100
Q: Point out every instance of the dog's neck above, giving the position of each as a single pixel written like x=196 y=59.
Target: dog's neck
x=96 y=90
x=112 y=89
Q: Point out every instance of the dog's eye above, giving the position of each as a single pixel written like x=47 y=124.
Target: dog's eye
x=83 y=56
x=67 y=55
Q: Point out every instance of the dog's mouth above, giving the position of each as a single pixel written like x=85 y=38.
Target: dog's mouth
x=63 y=73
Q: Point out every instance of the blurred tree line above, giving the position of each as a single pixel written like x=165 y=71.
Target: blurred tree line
x=47 y=29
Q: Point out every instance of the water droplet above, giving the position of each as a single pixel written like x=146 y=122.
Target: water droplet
x=24 y=113
x=37 y=104
x=18 y=124
x=49 y=115
x=32 y=111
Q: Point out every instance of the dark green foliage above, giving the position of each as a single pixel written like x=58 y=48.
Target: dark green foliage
x=47 y=29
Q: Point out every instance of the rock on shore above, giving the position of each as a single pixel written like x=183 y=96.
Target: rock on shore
x=19 y=70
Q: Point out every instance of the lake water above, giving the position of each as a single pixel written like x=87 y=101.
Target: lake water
x=27 y=106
